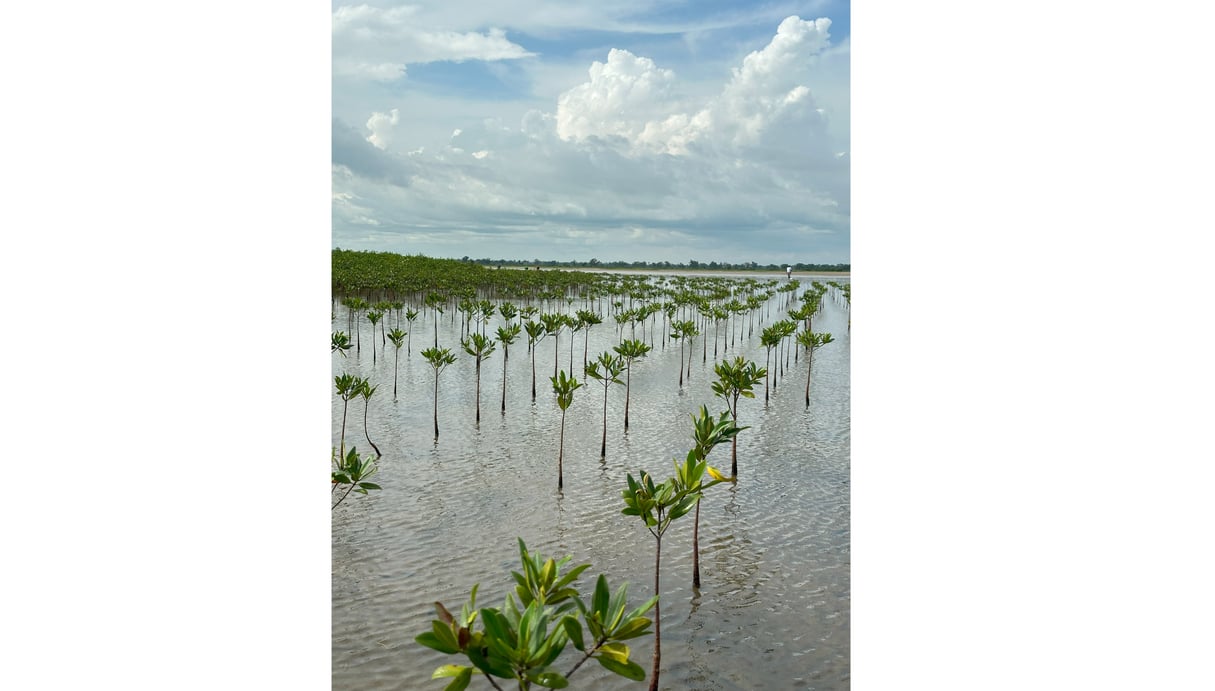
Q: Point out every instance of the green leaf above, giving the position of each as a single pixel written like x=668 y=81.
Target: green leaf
x=630 y=669
x=460 y=682
x=599 y=601
x=430 y=640
x=573 y=630
x=615 y=651
x=445 y=635
x=632 y=628
x=448 y=671
x=551 y=680
x=369 y=485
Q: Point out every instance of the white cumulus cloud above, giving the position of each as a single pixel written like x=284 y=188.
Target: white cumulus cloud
x=377 y=43
x=766 y=98
x=381 y=126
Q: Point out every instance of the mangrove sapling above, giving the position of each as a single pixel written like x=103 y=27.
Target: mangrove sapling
x=374 y=318
x=575 y=325
x=564 y=389
x=612 y=365
x=410 y=315
x=340 y=343
x=352 y=470
x=384 y=307
x=398 y=339
x=535 y=332
x=439 y=359
x=436 y=303
x=348 y=386
x=588 y=319
x=769 y=338
x=507 y=335
x=630 y=349
x=480 y=348
x=508 y=312
x=735 y=379
x=554 y=323
x=812 y=342
x=365 y=390
x=514 y=642
x=706 y=434
x=659 y=505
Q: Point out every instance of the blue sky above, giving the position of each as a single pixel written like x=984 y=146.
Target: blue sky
x=714 y=131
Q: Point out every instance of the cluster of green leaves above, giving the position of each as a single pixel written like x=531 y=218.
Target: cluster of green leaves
x=660 y=504
x=524 y=638
x=352 y=472
x=340 y=343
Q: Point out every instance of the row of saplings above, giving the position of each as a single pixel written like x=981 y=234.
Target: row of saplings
x=524 y=639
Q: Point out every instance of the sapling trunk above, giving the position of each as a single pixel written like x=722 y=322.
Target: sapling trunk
x=628 y=386
x=367 y=404
x=560 y=450
x=603 y=444
x=696 y=549
x=657 y=613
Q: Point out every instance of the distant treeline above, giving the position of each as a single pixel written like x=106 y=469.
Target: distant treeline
x=692 y=264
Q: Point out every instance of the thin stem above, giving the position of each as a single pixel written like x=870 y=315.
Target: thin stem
x=491 y=680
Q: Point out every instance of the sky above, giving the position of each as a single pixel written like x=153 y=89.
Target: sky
x=571 y=130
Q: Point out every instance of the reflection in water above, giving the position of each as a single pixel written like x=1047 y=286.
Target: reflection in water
x=773 y=610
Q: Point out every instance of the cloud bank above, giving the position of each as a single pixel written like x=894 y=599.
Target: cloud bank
x=627 y=164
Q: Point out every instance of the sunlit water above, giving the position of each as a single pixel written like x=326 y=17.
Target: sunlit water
x=773 y=608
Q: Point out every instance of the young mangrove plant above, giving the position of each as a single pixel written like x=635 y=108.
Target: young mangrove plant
x=366 y=390
x=612 y=366
x=630 y=349
x=480 y=348
x=410 y=315
x=374 y=318
x=535 y=332
x=770 y=337
x=522 y=640
x=707 y=433
x=348 y=386
x=340 y=343
x=587 y=319
x=554 y=324
x=352 y=472
x=507 y=335
x=398 y=339
x=735 y=379
x=658 y=505
x=439 y=359
x=564 y=389
x=684 y=331
x=812 y=342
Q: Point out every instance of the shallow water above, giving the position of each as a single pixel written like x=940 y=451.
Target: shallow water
x=773 y=610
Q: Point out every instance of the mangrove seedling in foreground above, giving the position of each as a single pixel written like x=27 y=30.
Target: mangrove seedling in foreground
x=659 y=505
x=517 y=644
